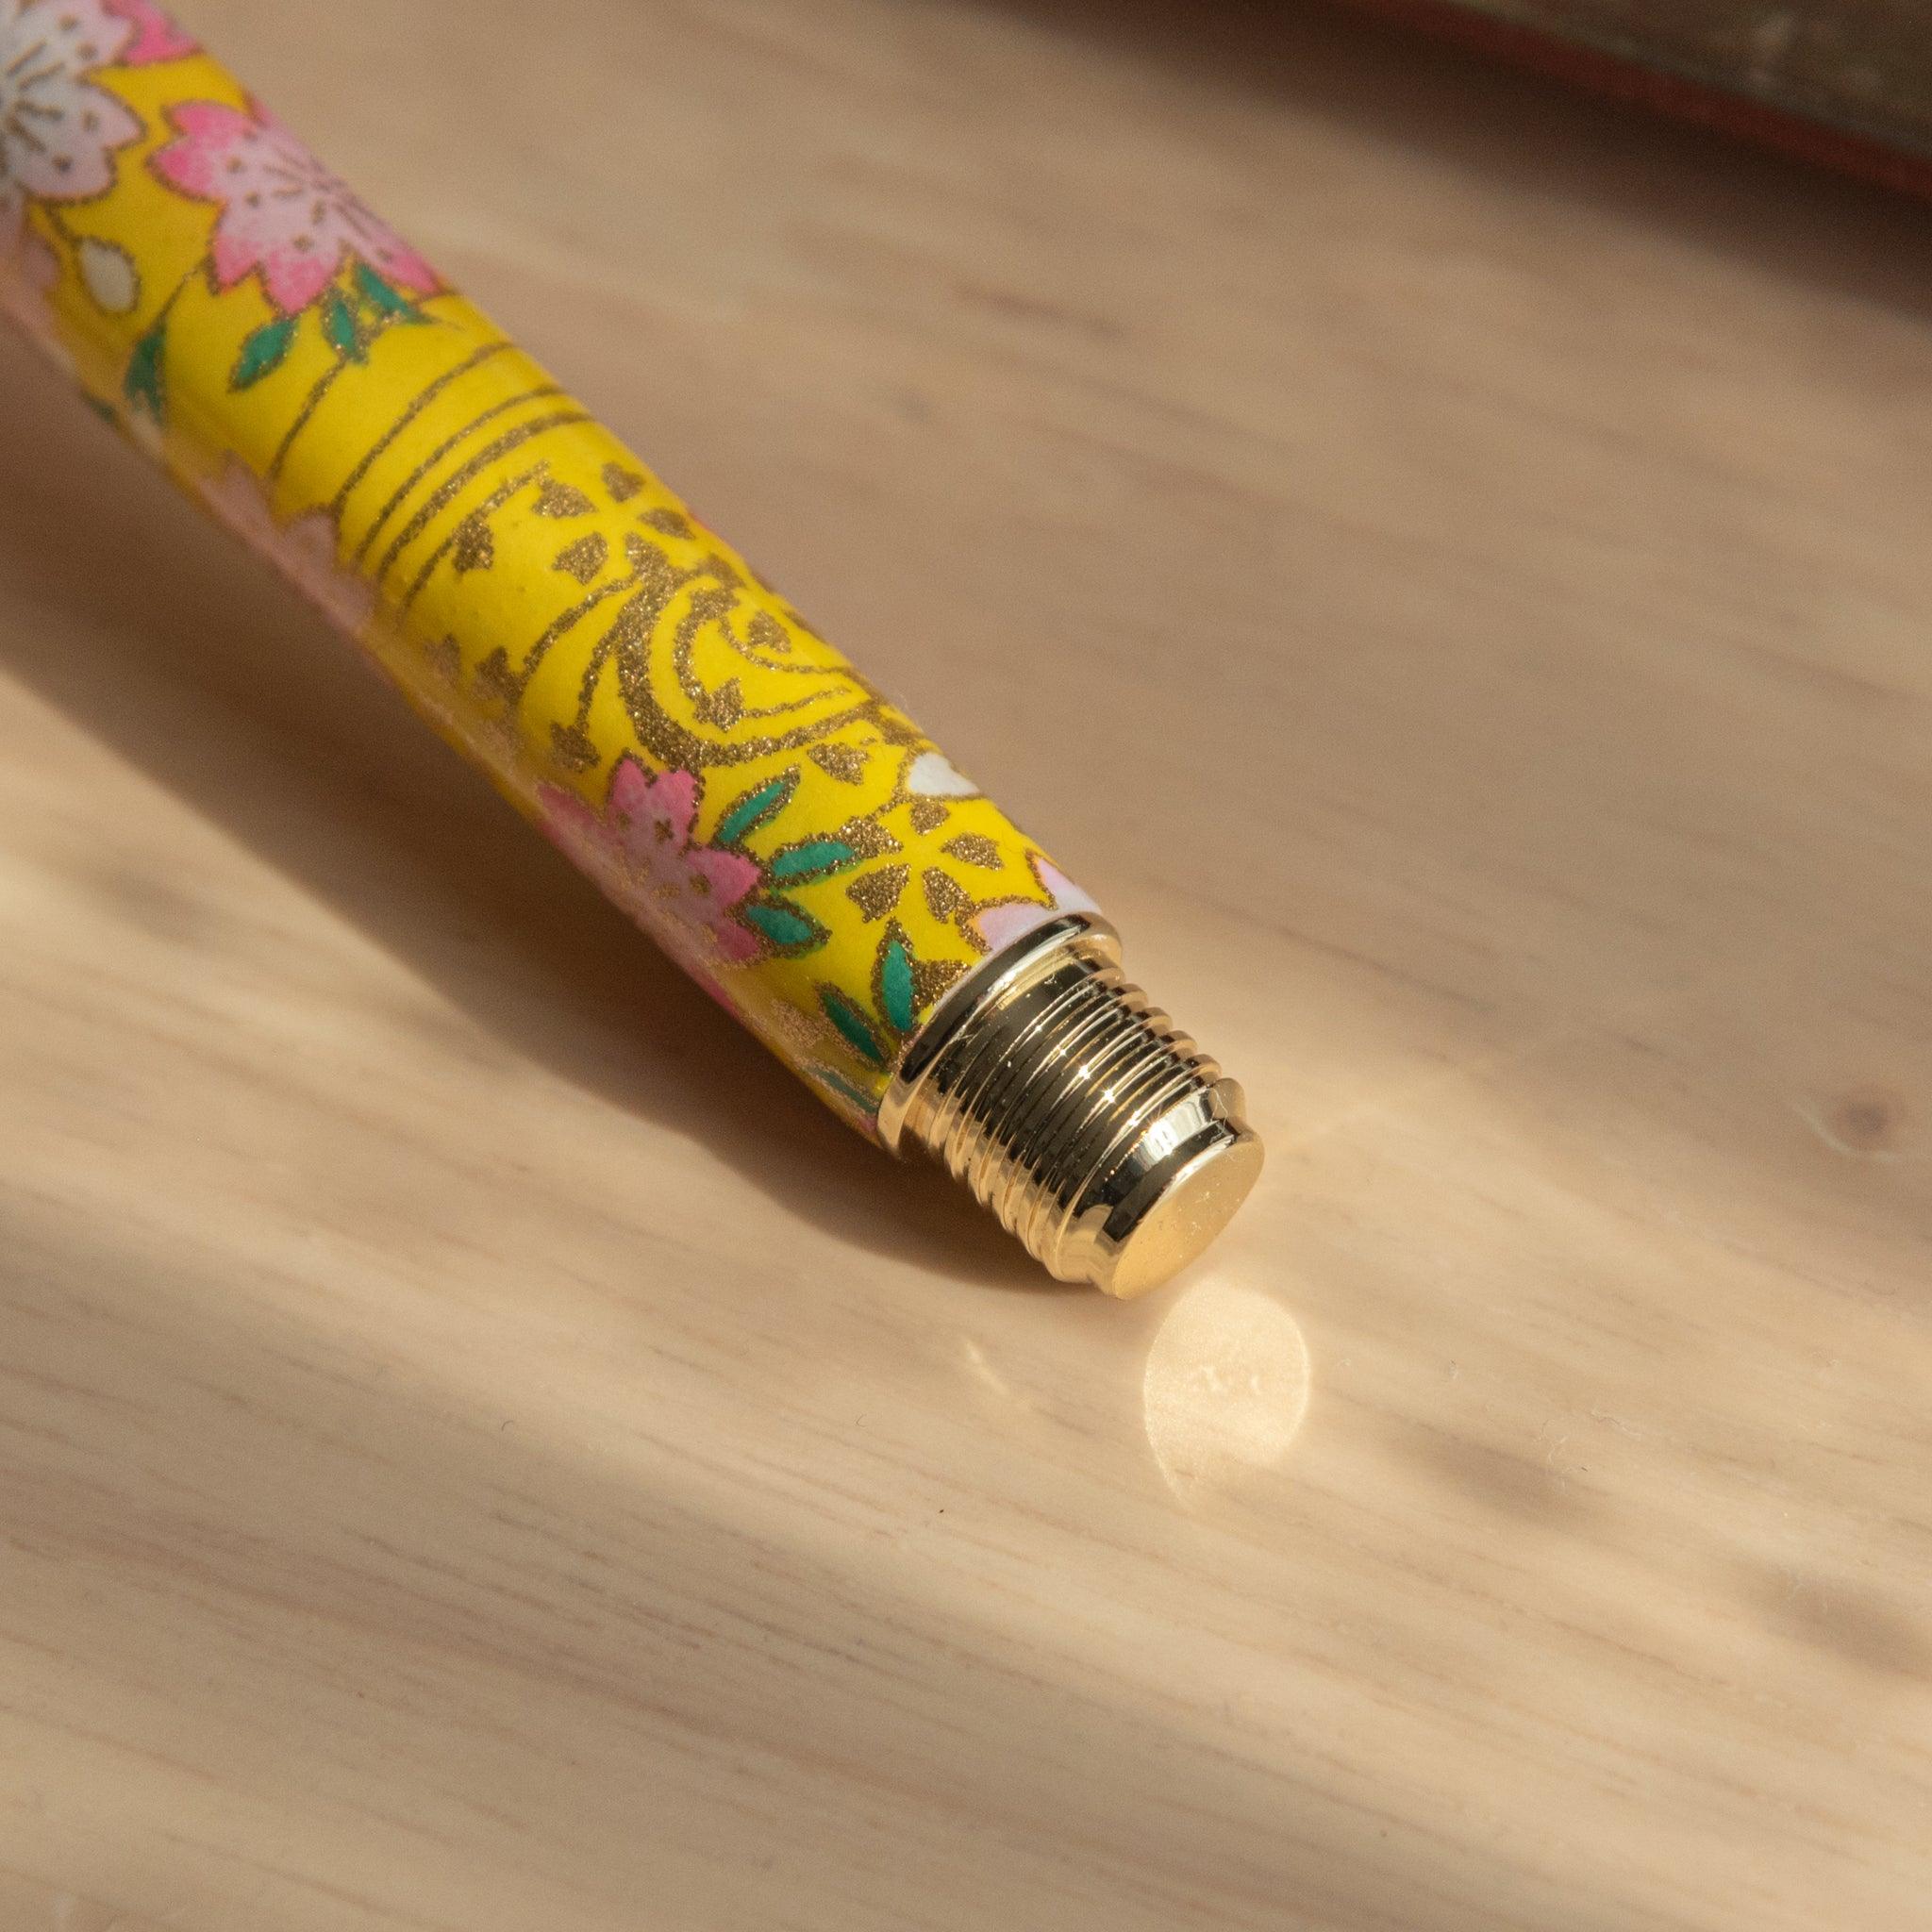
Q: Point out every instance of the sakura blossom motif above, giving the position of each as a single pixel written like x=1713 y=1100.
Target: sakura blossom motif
x=285 y=218
x=156 y=37
x=1012 y=919
x=303 y=550
x=58 y=130
x=640 y=849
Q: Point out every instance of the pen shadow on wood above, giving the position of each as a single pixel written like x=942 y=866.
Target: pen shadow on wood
x=225 y=687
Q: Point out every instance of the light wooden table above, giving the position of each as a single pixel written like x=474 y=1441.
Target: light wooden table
x=479 y=1450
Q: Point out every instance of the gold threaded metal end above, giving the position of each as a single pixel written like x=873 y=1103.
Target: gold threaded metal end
x=1099 y=1134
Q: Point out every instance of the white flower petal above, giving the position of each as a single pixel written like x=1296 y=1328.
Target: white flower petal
x=933 y=774
x=110 y=276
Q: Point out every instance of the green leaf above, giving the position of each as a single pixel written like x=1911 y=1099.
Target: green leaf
x=262 y=352
x=142 y=385
x=857 y=1098
x=812 y=858
x=896 y=993
x=338 y=326
x=853 y=1025
x=784 y=924
x=382 y=296
x=753 y=809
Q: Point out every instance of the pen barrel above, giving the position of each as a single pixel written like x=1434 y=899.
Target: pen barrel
x=781 y=828
x=778 y=825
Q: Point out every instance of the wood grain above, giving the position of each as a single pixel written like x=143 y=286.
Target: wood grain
x=481 y=1450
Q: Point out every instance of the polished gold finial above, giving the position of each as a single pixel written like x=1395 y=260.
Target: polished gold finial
x=1100 y=1136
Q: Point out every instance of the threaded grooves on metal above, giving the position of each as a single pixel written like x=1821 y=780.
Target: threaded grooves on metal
x=1043 y=1099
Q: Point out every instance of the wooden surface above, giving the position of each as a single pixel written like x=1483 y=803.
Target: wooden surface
x=481 y=1450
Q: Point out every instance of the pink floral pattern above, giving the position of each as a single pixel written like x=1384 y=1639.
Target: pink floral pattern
x=640 y=849
x=304 y=549
x=284 y=217
x=1013 y=918
x=156 y=37
x=58 y=132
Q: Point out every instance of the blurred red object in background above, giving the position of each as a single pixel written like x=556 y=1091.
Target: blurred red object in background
x=1847 y=83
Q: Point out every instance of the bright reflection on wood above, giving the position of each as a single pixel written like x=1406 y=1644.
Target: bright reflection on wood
x=1227 y=1386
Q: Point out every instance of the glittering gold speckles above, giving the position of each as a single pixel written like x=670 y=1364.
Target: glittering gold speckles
x=763 y=632
x=842 y=761
x=721 y=709
x=974 y=848
x=928 y=814
x=621 y=483
x=805 y=1033
x=497 y=734
x=445 y=657
x=475 y=547
x=877 y=893
x=584 y=559
x=495 y=679
x=573 y=748
x=930 y=978
x=557 y=499
x=670 y=522
x=945 y=898
x=869 y=838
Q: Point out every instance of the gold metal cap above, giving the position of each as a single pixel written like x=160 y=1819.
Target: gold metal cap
x=1103 y=1138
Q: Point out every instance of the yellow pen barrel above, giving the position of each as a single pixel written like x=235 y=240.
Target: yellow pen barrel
x=772 y=821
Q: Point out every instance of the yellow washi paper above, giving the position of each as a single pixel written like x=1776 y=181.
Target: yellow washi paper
x=777 y=826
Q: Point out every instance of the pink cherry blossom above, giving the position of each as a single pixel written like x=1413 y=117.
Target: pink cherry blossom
x=1000 y=925
x=58 y=130
x=303 y=549
x=640 y=850
x=156 y=37
x=285 y=217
